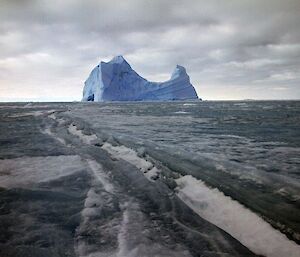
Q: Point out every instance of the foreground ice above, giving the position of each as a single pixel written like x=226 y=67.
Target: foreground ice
x=138 y=180
x=212 y=205
x=239 y=148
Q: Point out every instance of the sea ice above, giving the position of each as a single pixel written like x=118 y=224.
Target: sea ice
x=24 y=171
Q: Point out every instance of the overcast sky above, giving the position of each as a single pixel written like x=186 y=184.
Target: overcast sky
x=233 y=49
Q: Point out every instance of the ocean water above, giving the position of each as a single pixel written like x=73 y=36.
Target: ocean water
x=166 y=172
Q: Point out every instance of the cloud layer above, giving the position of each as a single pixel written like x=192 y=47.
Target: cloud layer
x=231 y=49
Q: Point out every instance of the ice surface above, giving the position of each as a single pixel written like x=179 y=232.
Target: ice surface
x=98 y=203
x=240 y=149
x=59 y=120
x=189 y=104
x=101 y=175
x=147 y=134
x=181 y=112
x=133 y=237
x=131 y=156
x=119 y=152
x=32 y=113
x=21 y=106
x=117 y=81
x=27 y=170
x=105 y=208
x=244 y=225
x=87 y=139
x=49 y=132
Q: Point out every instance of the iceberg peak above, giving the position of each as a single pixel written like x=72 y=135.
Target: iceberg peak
x=179 y=71
x=118 y=59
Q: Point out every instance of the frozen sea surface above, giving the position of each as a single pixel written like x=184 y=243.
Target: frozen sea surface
x=150 y=179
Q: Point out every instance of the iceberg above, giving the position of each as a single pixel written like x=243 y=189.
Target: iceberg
x=117 y=81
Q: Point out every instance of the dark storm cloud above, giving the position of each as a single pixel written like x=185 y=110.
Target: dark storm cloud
x=247 y=46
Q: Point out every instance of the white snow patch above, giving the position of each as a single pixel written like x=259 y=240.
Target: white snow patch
x=27 y=170
x=52 y=116
x=101 y=175
x=181 y=112
x=187 y=104
x=49 y=132
x=26 y=106
x=131 y=156
x=93 y=199
x=87 y=139
x=59 y=120
x=32 y=113
x=122 y=236
x=152 y=173
x=240 y=104
x=119 y=152
x=241 y=223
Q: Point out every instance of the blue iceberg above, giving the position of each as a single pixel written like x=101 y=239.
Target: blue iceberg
x=117 y=81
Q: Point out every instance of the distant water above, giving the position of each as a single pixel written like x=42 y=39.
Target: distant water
x=250 y=150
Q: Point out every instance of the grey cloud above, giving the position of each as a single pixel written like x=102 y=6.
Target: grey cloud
x=222 y=43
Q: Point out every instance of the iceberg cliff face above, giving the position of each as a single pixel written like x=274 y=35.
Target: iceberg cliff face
x=117 y=81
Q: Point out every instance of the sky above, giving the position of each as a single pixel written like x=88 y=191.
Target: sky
x=233 y=49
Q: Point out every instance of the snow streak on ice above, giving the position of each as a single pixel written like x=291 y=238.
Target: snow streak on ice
x=244 y=225
x=49 y=132
x=32 y=113
x=87 y=139
x=131 y=156
x=119 y=152
x=99 y=197
x=100 y=175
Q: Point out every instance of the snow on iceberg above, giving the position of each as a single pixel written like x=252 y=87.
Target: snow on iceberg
x=117 y=81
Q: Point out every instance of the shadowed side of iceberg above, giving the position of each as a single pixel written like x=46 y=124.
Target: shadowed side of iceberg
x=117 y=81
